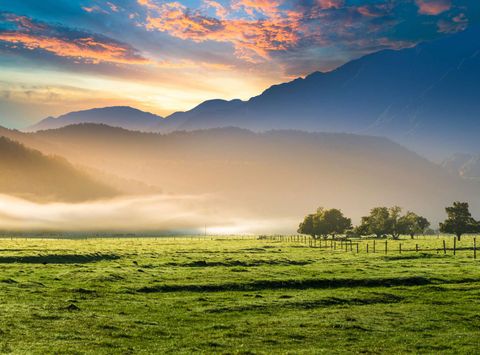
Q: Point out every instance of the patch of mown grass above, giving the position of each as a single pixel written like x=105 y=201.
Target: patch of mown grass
x=234 y=296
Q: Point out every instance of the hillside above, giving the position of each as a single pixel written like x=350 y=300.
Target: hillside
x=29 y=174
x=281 y=174
x=117 y=116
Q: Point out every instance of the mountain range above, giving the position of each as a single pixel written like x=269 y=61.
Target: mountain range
x=117 y=116
x=424 y=97
x=279 y=174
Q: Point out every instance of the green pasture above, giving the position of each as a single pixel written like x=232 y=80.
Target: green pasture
x=234 y=295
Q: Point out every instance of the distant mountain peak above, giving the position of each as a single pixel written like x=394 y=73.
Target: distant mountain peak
x=424 y=96
x=116 y=116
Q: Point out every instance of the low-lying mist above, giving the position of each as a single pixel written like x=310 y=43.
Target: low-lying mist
x=172 y=214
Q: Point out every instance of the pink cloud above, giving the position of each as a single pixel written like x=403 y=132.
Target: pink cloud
x=252 y=39
x=80 y=47
x=433 y=7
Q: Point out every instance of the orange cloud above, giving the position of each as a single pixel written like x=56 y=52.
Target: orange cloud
x=330 y=4
x=267 y=7
x=220 y=11
x=252 y=39
x=433 y=7
x=87 y=48
x=67 y=43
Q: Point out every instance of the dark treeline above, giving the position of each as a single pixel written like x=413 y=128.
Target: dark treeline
x=383 y=222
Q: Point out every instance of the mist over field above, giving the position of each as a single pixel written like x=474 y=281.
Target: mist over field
x=152 y=213
x=230 y=179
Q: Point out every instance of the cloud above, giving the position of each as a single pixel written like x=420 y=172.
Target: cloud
x=252 y=39
x=453 y=24
x=164 y=213
x=433 y=7
x=63 y=42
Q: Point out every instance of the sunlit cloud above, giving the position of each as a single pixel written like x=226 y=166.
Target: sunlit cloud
x=433 y=7
x=252 y=39
x=62 y=42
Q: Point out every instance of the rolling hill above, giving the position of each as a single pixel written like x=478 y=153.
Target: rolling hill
x=116 y=116
x=274 y=174
x=32 y=175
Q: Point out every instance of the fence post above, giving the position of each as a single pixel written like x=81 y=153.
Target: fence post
x=454 y=245
x=416 y=248
x=386 y=249
x=351 y=246
x=367 y=247
x=357 y=248
x=374 y=246
x=474 y=248
x=444 y=247
x=400 y=248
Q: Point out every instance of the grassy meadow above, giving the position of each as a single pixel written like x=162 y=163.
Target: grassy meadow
x=237 y=296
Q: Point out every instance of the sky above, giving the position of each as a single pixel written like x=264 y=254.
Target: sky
x=58 y=56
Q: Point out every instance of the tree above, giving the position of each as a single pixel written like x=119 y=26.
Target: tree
x=459 y=220
x=396 y=222
x=335 y=222
x=414 y=224
x=306 y=227
x=377 y=223
x=325 y=222
x=383 y=221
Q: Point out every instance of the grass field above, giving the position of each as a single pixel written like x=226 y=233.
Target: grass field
x=236 y=296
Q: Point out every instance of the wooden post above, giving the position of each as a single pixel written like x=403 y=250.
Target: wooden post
x=416 y=248
x=400 y=248
x=474 y=248
x=454 y=245
x=351 y=246
x=357 y=248
x=444 y=247
x=334 y=245
x=374 y=246
x=386 y=248
x=367 y=247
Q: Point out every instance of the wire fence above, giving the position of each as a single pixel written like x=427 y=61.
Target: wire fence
x=435 y=244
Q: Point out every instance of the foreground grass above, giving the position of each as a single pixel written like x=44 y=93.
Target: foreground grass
x=233 y=296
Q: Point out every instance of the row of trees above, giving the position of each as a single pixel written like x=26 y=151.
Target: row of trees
x=383 y=222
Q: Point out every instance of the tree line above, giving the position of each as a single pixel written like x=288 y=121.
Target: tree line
x=383 y=222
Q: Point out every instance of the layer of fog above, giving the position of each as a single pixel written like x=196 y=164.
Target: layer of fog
x=163 y=213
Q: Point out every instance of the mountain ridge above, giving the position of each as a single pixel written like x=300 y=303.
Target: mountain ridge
x=116 y=116
x=30 y=174
x=424 y=97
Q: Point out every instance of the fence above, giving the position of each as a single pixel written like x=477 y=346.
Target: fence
x=384 y=246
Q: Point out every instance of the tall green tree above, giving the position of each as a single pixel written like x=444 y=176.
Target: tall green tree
x=377 y=223
x=384 y=221
x=459 y=220
x=325 y=222
x=414 y=224
x=307 y=226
